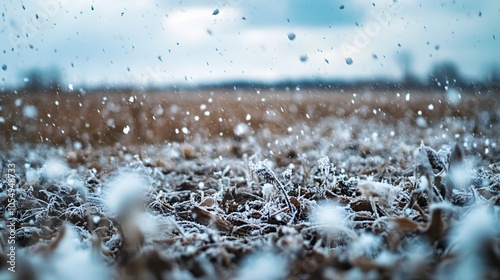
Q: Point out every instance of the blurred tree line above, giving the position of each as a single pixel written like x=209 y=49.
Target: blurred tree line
x=441 y=75
x=36 y=79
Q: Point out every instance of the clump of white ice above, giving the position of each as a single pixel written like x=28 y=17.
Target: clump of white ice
x=124 y=190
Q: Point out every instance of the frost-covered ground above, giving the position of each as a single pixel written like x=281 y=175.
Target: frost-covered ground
x=253 y=186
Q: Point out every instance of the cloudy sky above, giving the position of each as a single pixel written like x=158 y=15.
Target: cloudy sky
x=191 y=42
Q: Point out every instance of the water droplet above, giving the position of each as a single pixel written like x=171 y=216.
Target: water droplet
x=304 y=58
x=407 y=97
x=349 y=61
x=70 y=86
x=291 y=36
x=431 y=107
x=341 y=7
x=216 y=12
x=4 y=67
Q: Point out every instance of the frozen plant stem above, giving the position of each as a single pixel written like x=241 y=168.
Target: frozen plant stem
x=266 y=175
x=325 y=167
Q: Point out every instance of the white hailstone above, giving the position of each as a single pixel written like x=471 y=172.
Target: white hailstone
x=124 y=189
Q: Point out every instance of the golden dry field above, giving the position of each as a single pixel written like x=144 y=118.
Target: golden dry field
x=98 y=118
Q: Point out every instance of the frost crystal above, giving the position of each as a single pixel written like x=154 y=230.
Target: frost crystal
x=263 y=172
x=287 y=174
x=266 y=176
x=325 y=166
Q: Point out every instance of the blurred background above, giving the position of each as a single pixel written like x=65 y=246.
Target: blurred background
x=80 y=45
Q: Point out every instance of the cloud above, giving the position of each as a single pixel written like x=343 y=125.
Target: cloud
x=194 y=25
x=120 y=41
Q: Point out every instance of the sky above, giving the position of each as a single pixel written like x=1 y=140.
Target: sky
x=154 y=43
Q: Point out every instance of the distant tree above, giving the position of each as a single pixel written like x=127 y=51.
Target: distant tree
x=405 y=61
x=445 y=74
x=493 y=76
x=490 y=80
x=36 y=79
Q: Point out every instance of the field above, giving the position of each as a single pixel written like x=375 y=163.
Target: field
x=265 y=184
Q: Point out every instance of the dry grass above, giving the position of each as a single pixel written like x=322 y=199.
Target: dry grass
x=155 y=117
